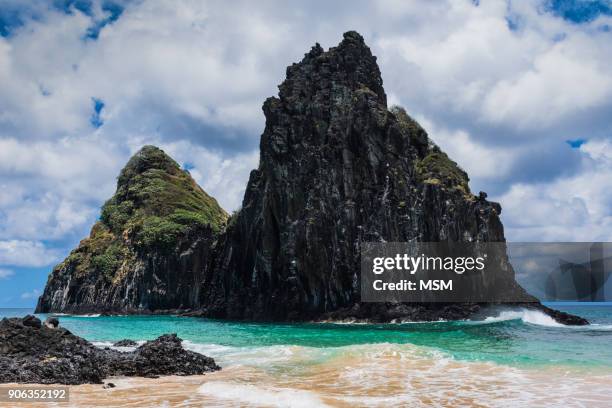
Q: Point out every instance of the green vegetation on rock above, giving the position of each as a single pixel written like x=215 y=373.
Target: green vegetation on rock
x=410 y=126
x=102 y=252
x=405 y=120
x=437 y=168
x=156 y=203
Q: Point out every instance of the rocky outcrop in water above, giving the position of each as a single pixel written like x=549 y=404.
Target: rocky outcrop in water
x=31 y=352
x=338 y=168
x=147 y=251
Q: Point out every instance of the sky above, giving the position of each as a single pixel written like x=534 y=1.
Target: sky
x=519 y=93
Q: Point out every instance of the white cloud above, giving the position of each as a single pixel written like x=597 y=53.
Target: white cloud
x=569 y=77
x=53 y=189
x=26 y=253
x=6 y=273
x=191 y=76
x=479 y=161
x=571 y=208
x=223 y=178
x=599 y=150
x=466 y=62
x=33 y=294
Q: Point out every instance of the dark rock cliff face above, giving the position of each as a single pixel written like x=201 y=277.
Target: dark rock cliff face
x=338 y=168
x=149 y=249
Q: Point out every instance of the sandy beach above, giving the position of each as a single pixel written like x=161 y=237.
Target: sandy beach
x=383 y=375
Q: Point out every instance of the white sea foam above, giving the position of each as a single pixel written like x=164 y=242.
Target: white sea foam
x=258 y=395
x=84 y=315
x=374 y=375
x=208 y=348
x=109 y=344
x=383 y=375
x=597 y=326
x=535 y=317
x=538 y=318
x=102 y=343
x=352 y=322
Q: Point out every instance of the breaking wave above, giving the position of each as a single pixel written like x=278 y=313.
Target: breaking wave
x=535 y=317
x=260 y=395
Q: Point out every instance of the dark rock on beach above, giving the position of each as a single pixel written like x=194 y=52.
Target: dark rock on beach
x=338 y=168
x=163 y=356
x=125 y=343
x=33 y=353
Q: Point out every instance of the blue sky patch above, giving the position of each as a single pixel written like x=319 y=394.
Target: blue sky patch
x=84 y=6
x=95 y=120
x=512 y=21
x=114 y=12
x=15 y=15
x=10 y=19
x=576 y=143
x=579 y=11
x=44 y=91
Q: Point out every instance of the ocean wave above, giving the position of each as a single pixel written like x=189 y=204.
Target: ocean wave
x=597 y=327
x=75 y=315
x=353 y=322
x=390 y=374
x=538 y=318
x=373 y=375
x=109 y=344
x=259 y=395
x=534 y=317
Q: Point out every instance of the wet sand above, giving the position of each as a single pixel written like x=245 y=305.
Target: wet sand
x=376 y=375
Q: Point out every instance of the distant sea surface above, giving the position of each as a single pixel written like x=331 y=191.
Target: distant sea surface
x=510 y=359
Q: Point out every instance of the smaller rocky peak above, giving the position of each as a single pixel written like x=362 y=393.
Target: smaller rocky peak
x=153 y=189
x=147 y=158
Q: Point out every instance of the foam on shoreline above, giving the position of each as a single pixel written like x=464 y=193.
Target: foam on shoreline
x=377 y=375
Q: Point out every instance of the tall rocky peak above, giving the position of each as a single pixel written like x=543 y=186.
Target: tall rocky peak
x=337 y=169
x=147 y=250
x=323 y=77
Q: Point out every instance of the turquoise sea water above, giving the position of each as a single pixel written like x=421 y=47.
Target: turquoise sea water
x=514 y=338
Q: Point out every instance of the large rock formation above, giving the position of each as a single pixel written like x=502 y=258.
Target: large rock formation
x=34 y=353
x=338 y=168
x=148 y=249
